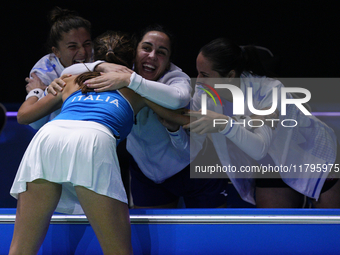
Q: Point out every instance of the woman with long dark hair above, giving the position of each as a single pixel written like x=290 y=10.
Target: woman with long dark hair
x=309 y=142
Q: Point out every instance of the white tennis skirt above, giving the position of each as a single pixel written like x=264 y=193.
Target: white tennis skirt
x=72 y=153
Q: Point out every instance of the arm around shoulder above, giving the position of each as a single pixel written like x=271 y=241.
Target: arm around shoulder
x=173 y=92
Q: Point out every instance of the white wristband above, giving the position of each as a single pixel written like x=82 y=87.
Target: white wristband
x=35 y=93
x=46 y=91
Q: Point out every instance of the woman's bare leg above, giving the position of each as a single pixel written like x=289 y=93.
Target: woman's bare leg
x=34 y=211
x=109 y=219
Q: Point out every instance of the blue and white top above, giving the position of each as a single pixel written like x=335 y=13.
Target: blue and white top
x=108 y=108
x=47 y=69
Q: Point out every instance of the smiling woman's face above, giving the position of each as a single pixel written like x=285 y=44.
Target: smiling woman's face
x=153 y=55
x=75 y=47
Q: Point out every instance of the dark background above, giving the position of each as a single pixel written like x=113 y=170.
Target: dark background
x=303 y=35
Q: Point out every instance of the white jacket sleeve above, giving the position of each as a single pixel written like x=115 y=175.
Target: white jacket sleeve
x=256 y=144
x=172 y=92
x=47 y=68
x=179 y=139
x=189 y=144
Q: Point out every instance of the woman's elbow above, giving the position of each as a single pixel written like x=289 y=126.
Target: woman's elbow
x=260 y=153
x=181 y=102
x=22 y=118
x=259 y=156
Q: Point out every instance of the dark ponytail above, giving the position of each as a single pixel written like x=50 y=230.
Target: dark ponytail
x=225 y=56
x=80 y=79
x=252 y=61
x=115 y=47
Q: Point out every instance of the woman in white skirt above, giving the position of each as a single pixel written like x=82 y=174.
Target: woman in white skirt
x=71 y=164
